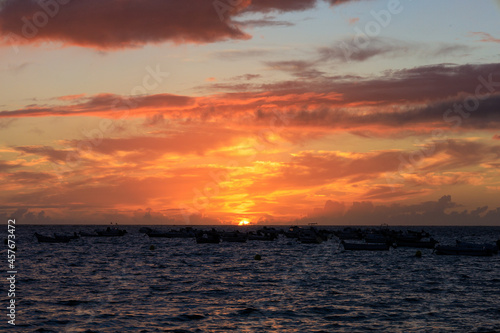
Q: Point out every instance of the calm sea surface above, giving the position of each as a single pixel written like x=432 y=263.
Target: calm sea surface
x=120 y=285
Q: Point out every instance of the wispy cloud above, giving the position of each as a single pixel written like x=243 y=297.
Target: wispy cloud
x=485 y=37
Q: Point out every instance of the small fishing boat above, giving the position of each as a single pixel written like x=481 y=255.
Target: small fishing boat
x=48 y=239
x=492 y=247
x=467 y=249
x=310 y=239
x=207 y=237
x=182 y=233
x=376 y=238
x=145 y=230
x=349 y=234
x=365 y=246
x=234 y=237
x=293 y=232
x=74 y=236
x=261 y=237
x=111 y=232
x=419 y=244
x=88 y=234
x=310 y=236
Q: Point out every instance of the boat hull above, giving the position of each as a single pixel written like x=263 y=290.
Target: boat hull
x=365 y=246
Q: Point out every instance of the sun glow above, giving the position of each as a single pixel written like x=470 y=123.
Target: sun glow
x=244 y=222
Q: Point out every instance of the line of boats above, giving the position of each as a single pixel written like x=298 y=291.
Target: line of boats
x=384 y=238
x=57 y=238
x=352 y=239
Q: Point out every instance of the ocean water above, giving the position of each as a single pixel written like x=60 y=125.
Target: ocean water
x=120 y=285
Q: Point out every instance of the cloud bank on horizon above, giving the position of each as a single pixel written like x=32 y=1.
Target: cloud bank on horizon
x=263 y=113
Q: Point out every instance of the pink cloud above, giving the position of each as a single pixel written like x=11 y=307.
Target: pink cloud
x=485 y=37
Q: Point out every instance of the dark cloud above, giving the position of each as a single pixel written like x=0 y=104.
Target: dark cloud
x=347 y=50
x=246 y=77
x=280 y=5
x=298 y=68
x=154 y=120
x=27 y=177
x=6 y=166
x=111 y=24
x=23 y=215
x=460 y=154
x=239 y=54
x=264 y=22
x=413 y=100
x=106 y=24
x=53 y=155
x=104 y=103
x=440 y=212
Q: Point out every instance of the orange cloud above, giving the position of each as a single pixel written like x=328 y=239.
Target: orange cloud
x=353 y=21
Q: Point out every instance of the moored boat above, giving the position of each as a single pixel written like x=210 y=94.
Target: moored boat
x=234 y=237
x=74 y=236
x=419 y=244
x=311 y=236
x=365 y=246
x=207 y=237
x=88 y=234
x=262 y=237
x=492 y=247
x=111 y=232
x=467 y=249
x=48 y=239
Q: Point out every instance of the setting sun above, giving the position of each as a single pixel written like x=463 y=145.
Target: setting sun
x=244 y=222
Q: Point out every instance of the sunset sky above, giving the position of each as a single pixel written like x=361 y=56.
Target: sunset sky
x=274 y=111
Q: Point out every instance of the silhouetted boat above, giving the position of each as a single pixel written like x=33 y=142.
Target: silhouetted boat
x=187 y=232
x=74 y=236
x=262 y=237
x=88 y=234
x=145 y=230
x=365 y=246
x=207 y=237
x=311 y=236
x=111 y=232
x=492 y=247
x=293 y=232
x=419 y=244
x=467 y=249
x=234 y=237
x=47 y=239
x=376 y=238
x=349 y=234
